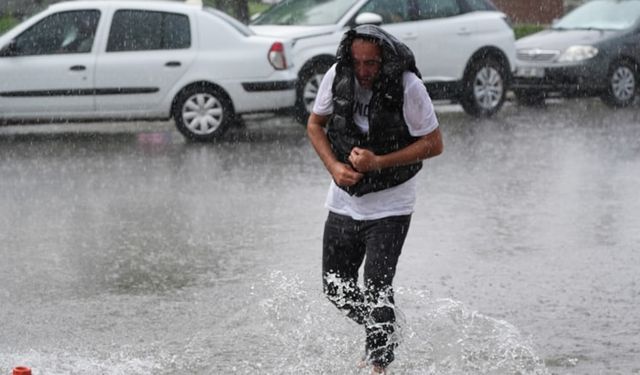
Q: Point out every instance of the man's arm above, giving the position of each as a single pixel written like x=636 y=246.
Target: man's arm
x=425 y=147
x=343 y=174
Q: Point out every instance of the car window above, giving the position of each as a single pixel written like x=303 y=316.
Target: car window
x=305 y=12
x=64 y=32
x=428 y=9
x=392 y=11
x=607 y=15
x=139 y=30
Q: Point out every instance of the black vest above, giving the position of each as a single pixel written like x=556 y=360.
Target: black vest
x=388 y=131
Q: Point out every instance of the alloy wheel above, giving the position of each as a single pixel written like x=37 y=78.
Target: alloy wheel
x=488 y=87
x=202 y=113
x=623 y=83
x=310 y=91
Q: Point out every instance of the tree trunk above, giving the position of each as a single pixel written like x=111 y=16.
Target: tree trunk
x=237 y=8
x=241 y=10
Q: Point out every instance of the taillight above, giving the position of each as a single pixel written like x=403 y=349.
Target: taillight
x=276 y=56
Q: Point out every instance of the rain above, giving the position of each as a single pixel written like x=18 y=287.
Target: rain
x=128 y=249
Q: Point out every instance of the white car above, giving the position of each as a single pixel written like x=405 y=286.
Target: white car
x=465 y=49
x=142 y=60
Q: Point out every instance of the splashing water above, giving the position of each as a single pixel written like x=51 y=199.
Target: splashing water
x=278 y=324
x=80 y=363
x=438 y=336
x=454 y=340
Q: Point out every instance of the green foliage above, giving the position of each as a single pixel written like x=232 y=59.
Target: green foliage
x=527 y=29
x=7 y=22
x=257 y=7
x=232 y=6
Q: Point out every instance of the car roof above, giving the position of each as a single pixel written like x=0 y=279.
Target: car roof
x=163 y=4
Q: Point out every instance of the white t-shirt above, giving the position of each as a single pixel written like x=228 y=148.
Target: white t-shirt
x=421 y=120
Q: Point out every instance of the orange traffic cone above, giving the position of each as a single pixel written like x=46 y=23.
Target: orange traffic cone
x=21 y=370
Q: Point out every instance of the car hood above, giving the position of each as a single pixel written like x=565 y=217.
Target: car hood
x=562 y=39
x=293 y=31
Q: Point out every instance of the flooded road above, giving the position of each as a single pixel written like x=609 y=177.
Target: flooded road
x=126 y=250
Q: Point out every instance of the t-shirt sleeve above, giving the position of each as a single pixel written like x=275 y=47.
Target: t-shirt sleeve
x=418 y=108
x=323 y=105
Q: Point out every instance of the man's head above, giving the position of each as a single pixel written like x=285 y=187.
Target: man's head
x=374 y=56
x=366 y=56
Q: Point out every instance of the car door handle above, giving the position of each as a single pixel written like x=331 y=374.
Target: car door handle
x=78 y=68
x=464 y=31
x=173 y=64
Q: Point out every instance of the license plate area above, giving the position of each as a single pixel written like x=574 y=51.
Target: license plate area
x=529 y=72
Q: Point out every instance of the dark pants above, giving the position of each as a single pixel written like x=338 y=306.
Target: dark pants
x=346 y=244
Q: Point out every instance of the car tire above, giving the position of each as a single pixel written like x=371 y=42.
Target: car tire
x=307 y=89
x=202 y=113
x=622 y=84
x=529 y=98
x=484 y=88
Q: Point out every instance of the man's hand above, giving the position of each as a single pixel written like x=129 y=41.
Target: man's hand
x=363 y=160
x=425 y=147
x=344 y=175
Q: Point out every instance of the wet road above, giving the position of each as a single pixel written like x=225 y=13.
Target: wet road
x=126 y=250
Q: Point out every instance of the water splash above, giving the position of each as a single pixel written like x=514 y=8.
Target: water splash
x=439 y=336
x=281 y=324
x=118 y=363
x=456 y=340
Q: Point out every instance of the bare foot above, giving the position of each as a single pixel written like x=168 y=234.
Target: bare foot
x=377 y=370
x=362 y=363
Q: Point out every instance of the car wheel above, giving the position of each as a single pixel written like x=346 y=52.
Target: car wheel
x=529 y=98
x=622 y=85
x=202 y=113
x=484 y=88
x=308 y=85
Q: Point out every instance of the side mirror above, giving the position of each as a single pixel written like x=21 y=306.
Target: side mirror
x=369 y=18
x=9 y=50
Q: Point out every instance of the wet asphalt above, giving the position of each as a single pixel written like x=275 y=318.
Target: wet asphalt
x=109 y=230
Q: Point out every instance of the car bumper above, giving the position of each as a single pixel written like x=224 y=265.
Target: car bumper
x=568 y=80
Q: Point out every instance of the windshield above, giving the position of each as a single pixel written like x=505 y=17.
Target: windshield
x=602 y=14
x=305 y=12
